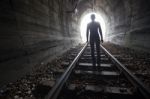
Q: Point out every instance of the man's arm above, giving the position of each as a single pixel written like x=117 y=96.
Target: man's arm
x=100 y=31
x=87 y=33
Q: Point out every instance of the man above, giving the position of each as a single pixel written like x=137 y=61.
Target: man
x=94 y=29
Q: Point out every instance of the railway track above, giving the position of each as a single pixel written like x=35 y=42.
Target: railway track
x=110 y=80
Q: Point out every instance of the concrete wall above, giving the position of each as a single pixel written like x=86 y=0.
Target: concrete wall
x=32 y=32
x=129 y=23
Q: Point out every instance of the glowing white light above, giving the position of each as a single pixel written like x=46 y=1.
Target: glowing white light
x=86 y=19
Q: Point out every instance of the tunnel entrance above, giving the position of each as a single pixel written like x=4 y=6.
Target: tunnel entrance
x=86 y=19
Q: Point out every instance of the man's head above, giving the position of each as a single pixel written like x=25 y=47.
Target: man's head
x=93 y=17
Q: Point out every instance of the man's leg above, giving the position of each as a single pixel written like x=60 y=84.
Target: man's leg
x=92 y=53
x=98 y=52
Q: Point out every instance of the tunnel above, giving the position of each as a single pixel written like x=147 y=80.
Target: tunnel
x=34 y=32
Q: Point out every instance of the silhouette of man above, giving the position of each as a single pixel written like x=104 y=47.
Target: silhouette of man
x=95 y=31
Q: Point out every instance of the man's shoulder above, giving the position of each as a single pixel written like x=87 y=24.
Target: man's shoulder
x=93 y=23
x=97 y=22
x=89 y=23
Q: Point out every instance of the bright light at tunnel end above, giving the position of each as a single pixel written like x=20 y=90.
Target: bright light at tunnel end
x=86 y=19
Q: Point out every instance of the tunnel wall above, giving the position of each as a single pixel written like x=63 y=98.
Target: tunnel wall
x=130 y=24
x=33 y=32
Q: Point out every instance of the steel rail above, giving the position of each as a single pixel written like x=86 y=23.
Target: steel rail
x=133 y=79
x=54 y=92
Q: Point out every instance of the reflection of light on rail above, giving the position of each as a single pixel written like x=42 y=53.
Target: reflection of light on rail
x=86 y=19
